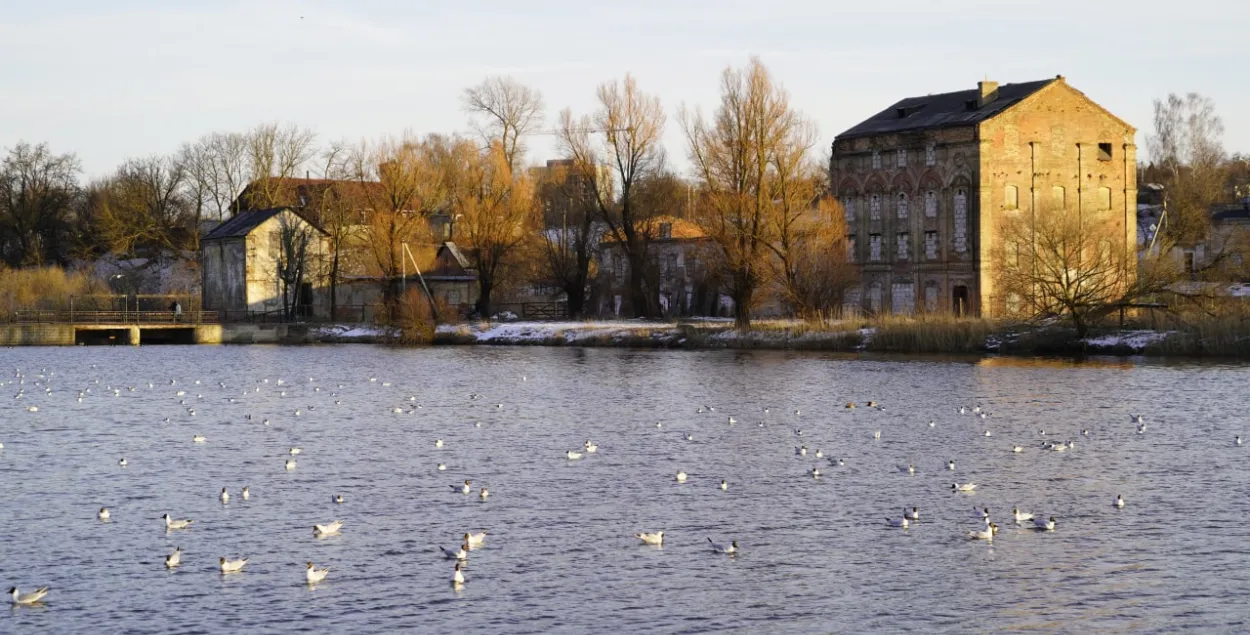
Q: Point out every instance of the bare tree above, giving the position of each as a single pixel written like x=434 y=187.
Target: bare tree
x=1186 y=146
x=276 y=154
x=217 y=169
x=751 y=162
x=144 y=209
x=503 y=111
x=1063 y=263
x=564 y=248
x=811 y=266
x=338 y=208
x=38 y=190
x=294 y=261
x=630 y=125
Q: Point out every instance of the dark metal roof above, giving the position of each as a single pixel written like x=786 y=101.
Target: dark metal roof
x=943 y=110
x=242 y=223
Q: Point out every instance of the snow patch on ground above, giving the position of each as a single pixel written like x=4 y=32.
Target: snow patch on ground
x=351 y=332
x=570 y=332
x=1135 y=340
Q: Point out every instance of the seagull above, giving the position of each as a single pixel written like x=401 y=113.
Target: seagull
x=914 y=514
x=463 y=489
x=27 y=599
x=328 y=529
x=246 y=493
x=965 y=487
x=1017 y=449
x=294 y=451
x=908 y=469
x=572 y=455
x=290 y=464
x=170 y=523
x=987 y=433
x=1044 y=525
x=591 y=447
x=1236 y=440
x=986 y=534
x=174 y=559
x=314 y=575
x=438 y=443
x=474 y=540
x=225 y=496
x=1020 y=516
x=457 y=578
x=681 y=476
x=656 y=538
x=932 y=424
x=1138 y=419
x=718 y=547
x=815 y=472
x=877 y=435
x=1119 y=501
x=103 y=514
x=338 y=499
x=723 y=485
x=900 y=522
x=800 y=451
x=456 y=554
x=231 y=566
x=950 y=465
x=689 y=437
x=819 y=454
x=122 y=462
x=483 y=494
x=442 y=466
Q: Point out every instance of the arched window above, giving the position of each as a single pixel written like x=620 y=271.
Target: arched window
x=874 y=207
x=961 y=220
x=902 y=205
x=1011 y=197
x=930 y=204
x=1059 y=197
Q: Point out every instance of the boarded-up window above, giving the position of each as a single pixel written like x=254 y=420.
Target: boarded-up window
x=902 y=205
x=1011 y=197
x=930 y=297
x=876 y=160
x=850 y=248
x=874 y=207
x=931 y=245
x=904 y=245
x=930 y=155
x=902 y=158
x=1104 y=199
x=848 y=209
x=874 y=297
x=961 y=220
x=874 y=247
x=903 y=298
x=930 y=204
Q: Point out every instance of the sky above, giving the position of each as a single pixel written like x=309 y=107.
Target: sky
x=115 y=79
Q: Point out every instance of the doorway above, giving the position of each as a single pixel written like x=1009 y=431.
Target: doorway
x=959 y=300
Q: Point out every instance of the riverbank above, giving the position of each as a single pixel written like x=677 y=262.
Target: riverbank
x=891 y=335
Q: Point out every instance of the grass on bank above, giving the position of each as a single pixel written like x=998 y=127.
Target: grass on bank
x=43 y=288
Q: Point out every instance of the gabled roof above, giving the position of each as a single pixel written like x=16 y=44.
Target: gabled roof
x=242 y=223
x=944 y=110
x=458 y=255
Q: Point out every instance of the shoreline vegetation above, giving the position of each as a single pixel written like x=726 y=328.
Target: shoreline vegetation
x=1217 y=337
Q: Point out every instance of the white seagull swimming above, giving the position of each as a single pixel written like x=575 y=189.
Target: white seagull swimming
x=26 y=599
x=463 y=489
x=328 y=529
x=231 y=566
x=681 y=476
x=719 y=547
x=314 y=575
x=170 y=523
x=103 y=514
x=897 y=522
x=963 y=487
x=1044 y=525
x=174 y=559
x=473 y=541
x=1020 y=516
x=1119 y=501
x=456 y=554
x=656 y=538
x=572 y=455
x=986 y=534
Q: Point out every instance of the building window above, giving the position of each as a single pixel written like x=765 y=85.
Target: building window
x=904 y=245
x=1012 y=250
x=1104 y=199
x=453 y=298
x=930 y=204
x=902 y=158
x=876 y=160
x=618 y=269
x=1013 y=303
x=931 y=245
x=902 y=205
x=1011 y=197
x=874 y=247
x=848 y=209
x=961 y=220
x=903 y=298
x=930 y=297
x=930 y=155
x=874 y=207
x=850 y=248
x=1104 y=152
x=874 y=297
x=1059 y=197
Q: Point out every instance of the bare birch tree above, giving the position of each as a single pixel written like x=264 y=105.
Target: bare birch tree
x=503 y=111
x=1186 y=146
x=630 y=127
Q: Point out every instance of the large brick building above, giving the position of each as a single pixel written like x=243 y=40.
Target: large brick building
x=926 y=182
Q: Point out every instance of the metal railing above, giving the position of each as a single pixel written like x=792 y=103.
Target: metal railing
x=114 y=317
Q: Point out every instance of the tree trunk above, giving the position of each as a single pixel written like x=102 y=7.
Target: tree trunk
x=577 y=299
x=334 y=285
x=639 y=296
x=483 y=298
x=742 y=306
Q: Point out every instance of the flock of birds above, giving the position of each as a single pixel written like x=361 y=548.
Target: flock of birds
x=986 y=528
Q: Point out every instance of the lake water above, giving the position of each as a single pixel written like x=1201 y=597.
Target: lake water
x=816 y=554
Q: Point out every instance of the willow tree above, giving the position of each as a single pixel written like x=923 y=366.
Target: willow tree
x=753 y=171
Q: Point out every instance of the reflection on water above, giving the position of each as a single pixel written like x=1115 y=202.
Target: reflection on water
x=817 y=554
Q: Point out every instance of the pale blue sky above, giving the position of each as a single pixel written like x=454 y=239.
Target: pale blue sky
x=122 y=78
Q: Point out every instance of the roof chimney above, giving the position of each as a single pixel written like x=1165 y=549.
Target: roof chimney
x=988 y=92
